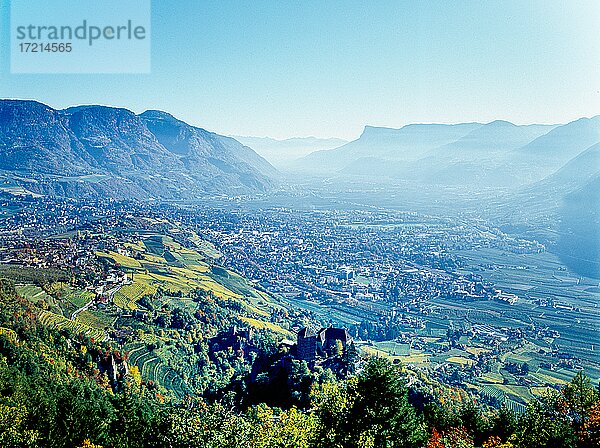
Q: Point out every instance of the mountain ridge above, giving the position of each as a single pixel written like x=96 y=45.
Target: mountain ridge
x=494 y=154
x=406 y=143
x=128 y=149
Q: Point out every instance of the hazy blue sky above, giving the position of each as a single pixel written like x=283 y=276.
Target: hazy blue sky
x=327 y=68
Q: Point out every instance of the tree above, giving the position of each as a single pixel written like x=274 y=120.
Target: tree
x=290 y=428
x=473 y=421
x=382 y=404
x=87 y=444
x=458 y=438
x=336 y=349
x=592 y=426
x=435 y=440
x=137 y=416
x=541 y=427
x=371 y=409
x=496 y=442
x=332 y=403
x=163 y=320
x=504 y=424
x=181 y=318
x=350 y=358
x=580 y=396
x=13 y=428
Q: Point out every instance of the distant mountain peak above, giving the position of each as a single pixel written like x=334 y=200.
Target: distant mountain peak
x=500 y=123
x=97 y=108
x=567 y=140
x=158 y=115
x=370 y=128
x=588 y=121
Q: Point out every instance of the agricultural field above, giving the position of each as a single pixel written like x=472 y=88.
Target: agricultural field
x=268 y=325
x=375 y=349
x=57 y=321
x=96 y=319
x=498 y=383
x=578 y=337
x=120 y=260
x=158 y=365
x=371 y=350
x=166 y=264
x=161 y=262
x=394 y=348
x=62 y=300
x=79 y=297
x=33 y=293
x=89 y=178
x=541 y=279
x=533 y=276
x=344 y=316
x=128 y=295
x=17 y=190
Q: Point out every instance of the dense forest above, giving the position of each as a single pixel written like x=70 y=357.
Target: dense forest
x=55 y=392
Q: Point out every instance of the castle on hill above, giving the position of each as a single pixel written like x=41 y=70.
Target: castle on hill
x=322 y=343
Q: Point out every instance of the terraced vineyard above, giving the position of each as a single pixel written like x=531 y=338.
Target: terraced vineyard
x=514 y=406
x=127 y=296
x=163 y=262
x=79 y=297
x=121 y=260
x=492 y=392
x=32 y=293
x=157 y=261
x=153 y=367
x=54 y=320
x=95 y=319
x=139 y=355
x=206 y=247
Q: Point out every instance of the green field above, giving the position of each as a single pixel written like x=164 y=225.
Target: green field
x=95 y=319
x=498 y=383
x=127 y=296
x=268 y=325
x=120 y=260
x=57 y=321
x=33 y=293
x=394 y=348
x=154 y=366
x=79 y=297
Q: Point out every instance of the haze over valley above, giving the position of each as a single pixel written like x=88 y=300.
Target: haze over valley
x=537 y=180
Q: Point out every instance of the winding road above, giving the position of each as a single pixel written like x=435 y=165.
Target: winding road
x=109 y=294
